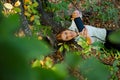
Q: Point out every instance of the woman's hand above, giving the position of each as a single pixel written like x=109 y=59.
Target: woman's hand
x=85 y=34
x=75 y=14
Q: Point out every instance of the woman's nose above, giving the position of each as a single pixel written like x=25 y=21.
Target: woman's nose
x=70 y=34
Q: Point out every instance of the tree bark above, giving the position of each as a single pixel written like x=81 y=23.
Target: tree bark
x=25 y=24
x=47 y=18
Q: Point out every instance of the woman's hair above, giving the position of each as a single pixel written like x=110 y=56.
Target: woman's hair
x=58 y=37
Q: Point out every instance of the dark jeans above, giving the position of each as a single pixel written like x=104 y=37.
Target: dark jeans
x=109 y=44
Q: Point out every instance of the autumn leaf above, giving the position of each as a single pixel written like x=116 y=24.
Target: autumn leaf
x=17 y=3
x=8 y=6
x=32 y=18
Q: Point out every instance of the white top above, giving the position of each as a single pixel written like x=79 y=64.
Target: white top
x=96 y=34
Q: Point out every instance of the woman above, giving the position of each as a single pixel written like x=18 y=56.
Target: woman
x=90 y=33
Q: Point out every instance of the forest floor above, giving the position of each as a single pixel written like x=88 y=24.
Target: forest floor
x=110 y=24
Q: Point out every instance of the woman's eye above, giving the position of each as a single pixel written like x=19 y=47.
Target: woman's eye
x=70 y=32
x=65 y=33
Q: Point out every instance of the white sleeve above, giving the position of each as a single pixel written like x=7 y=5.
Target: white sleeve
x=73 y=26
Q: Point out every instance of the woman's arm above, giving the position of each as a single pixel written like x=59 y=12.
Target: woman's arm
x=85 y=34
x=80 y=26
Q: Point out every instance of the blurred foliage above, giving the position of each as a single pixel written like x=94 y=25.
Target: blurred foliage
x=17 y=53
x=94 y=70
x=91 y=68
x=114 y=37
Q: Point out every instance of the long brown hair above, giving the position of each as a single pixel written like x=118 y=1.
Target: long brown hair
x=58 y=37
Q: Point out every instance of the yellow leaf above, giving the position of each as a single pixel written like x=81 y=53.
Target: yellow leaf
x=17 y=3
x=40 y=38
x=21 y=34
x=27 y=14
x=25 y=7
x=8 y=6
x=42 y=62
x=27 y=1
x=31 y=27
x=32 y=18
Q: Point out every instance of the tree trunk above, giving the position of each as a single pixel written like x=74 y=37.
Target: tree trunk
x=25 y=24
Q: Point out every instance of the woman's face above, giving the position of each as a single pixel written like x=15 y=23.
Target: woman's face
x=68 y=35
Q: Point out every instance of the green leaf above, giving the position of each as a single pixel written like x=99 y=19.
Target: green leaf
x=48 y=74
x=17 y=10
x=115 y=63
x=114 y=37
x=93 y=69
x=61 y=48
x=72 y=59
x=35 y=4
x=66 y=47
x=48 y=62
x=37 y=22
x=60 y=69
x=36 y=63
x=9 y=25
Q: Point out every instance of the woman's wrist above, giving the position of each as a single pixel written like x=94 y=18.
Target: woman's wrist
x=74 y=18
